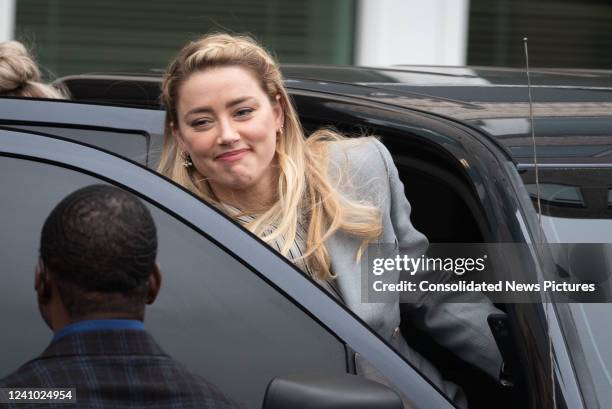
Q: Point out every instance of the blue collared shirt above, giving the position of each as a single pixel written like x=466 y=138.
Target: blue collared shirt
x=98 y=325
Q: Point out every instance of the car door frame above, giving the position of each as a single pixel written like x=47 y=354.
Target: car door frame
x=218 y=228
x=463 y=141
x=148 y=122
x=503 y=201
x=458 y=140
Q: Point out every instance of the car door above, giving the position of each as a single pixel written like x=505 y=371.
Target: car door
x=231 y=309
x=134 y=133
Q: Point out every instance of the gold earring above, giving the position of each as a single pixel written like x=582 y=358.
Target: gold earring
x=186 y=160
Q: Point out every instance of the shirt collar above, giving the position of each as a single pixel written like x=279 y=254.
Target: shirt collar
x=98 y=325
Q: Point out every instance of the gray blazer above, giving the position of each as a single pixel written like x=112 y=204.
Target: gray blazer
x=366 y=172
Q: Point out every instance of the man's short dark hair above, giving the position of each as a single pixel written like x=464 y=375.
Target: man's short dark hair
x=100 y=244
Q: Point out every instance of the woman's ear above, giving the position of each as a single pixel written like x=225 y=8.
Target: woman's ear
x=178 y=137
x=279 y=112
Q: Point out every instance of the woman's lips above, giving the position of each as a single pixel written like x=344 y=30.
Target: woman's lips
x=233 y=155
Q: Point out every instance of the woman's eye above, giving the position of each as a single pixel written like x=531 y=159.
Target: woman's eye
x=198 y=123
x=244 y=111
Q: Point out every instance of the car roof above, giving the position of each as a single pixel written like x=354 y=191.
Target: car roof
x=572 y=108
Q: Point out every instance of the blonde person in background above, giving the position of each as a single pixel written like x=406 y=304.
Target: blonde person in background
x=234 y=138
x=20 y=75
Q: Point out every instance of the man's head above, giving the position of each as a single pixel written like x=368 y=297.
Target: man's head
x=97 y=257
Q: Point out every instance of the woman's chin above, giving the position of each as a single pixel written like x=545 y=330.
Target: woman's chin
x=238 y=183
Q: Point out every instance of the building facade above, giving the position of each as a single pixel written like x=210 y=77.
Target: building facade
x=73 y=36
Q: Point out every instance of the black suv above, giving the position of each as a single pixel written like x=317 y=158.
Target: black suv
x=461 y=139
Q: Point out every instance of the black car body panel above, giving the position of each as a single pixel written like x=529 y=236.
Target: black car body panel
x=571 y=107
x=209 y=222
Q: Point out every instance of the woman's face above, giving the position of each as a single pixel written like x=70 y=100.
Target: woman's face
x=228 y=125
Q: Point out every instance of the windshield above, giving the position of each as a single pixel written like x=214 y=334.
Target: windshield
x=576 y=209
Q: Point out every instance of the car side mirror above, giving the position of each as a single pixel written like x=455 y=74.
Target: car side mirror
x=325 y=392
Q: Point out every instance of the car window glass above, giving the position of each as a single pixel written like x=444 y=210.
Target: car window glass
x=213 y=314
x=131 y=145
x=577 y=221
x=576 y=203
x=556 y=193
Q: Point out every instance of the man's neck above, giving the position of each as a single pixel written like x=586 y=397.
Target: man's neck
x=61 y=324
x=106 y=324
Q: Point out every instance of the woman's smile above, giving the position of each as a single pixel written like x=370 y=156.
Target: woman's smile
x=232 y=156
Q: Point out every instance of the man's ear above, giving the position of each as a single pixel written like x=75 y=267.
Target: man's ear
x=42 y=285
x=155 y=280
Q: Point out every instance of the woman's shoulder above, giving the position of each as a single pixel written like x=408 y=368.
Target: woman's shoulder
x=358 y=168
x=364 y=156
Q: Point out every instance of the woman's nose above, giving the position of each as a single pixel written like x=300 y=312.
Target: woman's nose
x=228 y=133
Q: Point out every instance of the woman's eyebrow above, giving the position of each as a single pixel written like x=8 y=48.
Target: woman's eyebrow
x=237 y=101
x=229 y=104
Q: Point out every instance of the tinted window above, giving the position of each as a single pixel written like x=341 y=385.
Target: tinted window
x=557 y=194
x=575 y=203
x=131 y=145
x=213 y=314
x=576 y=210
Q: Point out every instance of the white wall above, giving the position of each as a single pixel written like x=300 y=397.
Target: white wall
x=7 y=20
x=411 y=32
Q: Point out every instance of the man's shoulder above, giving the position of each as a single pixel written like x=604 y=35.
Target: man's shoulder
x=96 y=376
x=30 y=374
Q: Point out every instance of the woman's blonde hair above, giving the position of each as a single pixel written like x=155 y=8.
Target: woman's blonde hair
x=305 y=193
x=20 y=76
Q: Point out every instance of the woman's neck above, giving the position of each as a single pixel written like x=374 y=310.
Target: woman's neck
x=257 y=198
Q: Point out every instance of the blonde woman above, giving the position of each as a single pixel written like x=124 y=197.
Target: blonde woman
x=20 y=76
x=234 y=138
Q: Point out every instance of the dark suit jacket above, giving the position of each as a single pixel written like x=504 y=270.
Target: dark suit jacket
x=115 y=369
